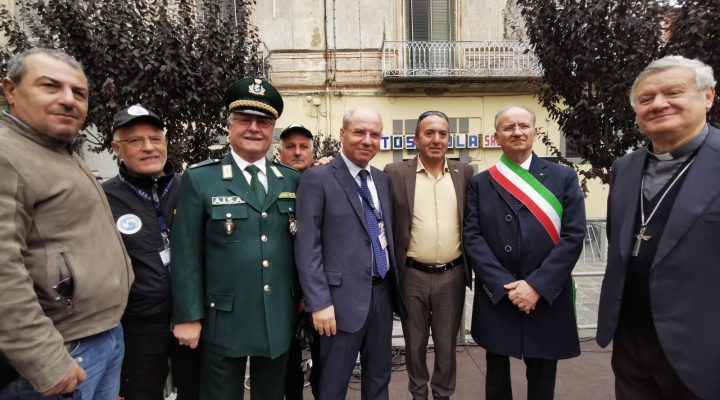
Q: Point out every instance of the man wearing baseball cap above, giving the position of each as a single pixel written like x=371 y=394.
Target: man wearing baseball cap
x=296 y=150
x=235 y=287
x=143 y=198
x=296 y=147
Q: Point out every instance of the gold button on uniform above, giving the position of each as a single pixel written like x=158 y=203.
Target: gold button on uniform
x=267 y=288
x=264 y=215
x=212 y=304
x=263 y=238
x=228 y=215
x=266 y=263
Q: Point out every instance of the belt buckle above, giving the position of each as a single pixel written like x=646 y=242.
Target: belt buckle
x=440 y=265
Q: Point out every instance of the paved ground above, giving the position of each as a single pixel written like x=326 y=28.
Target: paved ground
x=587 y=377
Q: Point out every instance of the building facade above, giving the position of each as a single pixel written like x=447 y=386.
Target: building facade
x=402 y=58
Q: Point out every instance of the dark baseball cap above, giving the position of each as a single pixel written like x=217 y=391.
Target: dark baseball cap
x=295 y=128
x=135 y=114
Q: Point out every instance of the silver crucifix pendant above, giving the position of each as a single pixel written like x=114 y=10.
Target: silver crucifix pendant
x=638 y=239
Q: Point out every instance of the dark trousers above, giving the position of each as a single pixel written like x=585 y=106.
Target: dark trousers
x=433 y=301
x=295 y=380
x=145 y=367
x=222 y=378
x=540 y=376
x=642 y=372
x=338 y=353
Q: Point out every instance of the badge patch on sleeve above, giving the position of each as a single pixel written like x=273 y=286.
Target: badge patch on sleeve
x=226 y=200
x=129 y=224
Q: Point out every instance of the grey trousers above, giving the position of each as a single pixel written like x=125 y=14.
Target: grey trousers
x=434 y=302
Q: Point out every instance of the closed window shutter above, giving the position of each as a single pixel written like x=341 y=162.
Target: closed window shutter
x=419 y=21
x=440 y=20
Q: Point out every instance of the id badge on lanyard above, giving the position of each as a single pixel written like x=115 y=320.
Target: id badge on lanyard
x=165 y=252
x=382 y=237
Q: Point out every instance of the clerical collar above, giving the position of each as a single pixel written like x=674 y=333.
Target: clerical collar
x=681 y=151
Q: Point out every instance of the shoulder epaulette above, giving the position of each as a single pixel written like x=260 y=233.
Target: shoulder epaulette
x=205 y=162
x=283 y=165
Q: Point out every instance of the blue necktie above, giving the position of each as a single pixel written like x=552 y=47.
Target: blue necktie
x=380 y=265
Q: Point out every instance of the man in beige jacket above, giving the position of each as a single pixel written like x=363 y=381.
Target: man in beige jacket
x=64 y=273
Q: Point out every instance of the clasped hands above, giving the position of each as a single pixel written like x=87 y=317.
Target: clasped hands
x=522 y=295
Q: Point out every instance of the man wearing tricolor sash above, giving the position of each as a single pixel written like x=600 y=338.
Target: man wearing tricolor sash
x=523 y=233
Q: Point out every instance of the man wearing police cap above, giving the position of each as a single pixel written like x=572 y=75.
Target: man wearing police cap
x=233 y=271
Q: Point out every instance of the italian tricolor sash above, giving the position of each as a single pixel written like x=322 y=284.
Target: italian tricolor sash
x=528 y=190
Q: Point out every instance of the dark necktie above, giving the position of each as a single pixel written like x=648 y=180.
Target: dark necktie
x=255 y=183
x=380 y=265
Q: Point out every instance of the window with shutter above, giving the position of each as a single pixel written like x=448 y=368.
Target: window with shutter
x=431 y=23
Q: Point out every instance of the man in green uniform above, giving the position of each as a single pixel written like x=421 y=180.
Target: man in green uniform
x=233 y=271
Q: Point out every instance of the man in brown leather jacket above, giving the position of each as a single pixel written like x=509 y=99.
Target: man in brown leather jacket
x=65 y=274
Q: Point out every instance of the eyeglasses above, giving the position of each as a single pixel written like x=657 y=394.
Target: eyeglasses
x=511 y=128
x=65 y=288
x=429 y=113
x=156 y=141
x=245 y=120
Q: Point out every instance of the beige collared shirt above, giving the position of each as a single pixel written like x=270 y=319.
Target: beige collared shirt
x=435 y=231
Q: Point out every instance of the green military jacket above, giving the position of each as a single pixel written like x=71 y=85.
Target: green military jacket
x=232 y=259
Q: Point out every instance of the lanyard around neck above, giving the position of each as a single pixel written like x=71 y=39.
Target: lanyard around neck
x=164 y=231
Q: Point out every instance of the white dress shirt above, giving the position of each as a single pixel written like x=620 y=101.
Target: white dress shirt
x=261 y=163
x=355 y=173
x=526 y=164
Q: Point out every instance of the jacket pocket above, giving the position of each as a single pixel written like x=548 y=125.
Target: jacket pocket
x=62 y=283
x=285 y=206
x=228 y=223
x=334 y=278
x=219 y=318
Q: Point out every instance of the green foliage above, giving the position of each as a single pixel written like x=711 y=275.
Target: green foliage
x=695 y=33
x=591 y=52
x=325 y=146
x=175 y=57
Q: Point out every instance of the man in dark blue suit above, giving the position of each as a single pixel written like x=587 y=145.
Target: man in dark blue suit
x=345 y=260
x=659 y=296
x=523 y=233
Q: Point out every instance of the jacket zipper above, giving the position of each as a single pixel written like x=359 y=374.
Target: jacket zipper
x=73 y=158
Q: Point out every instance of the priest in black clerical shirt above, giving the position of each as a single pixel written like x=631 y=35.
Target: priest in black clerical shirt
x=659 y=299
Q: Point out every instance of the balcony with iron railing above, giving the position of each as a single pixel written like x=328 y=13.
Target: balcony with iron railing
x=437 y=59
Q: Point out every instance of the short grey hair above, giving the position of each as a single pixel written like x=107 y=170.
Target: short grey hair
x=16 y=65
x=704 y=77
x=346 y=118
x=506 y=108
x=350 y=114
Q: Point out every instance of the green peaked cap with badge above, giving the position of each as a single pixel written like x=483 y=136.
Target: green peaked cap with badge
x=253 y=96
